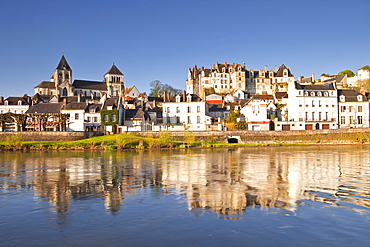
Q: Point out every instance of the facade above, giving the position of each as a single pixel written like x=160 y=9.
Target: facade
x=16 y=105
x=258 y=111
x=269 y=81
x=311 y=107
x=353 y=109
x=220 y=78
x=186 y=113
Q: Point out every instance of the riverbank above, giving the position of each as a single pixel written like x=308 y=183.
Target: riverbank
x=186 y=140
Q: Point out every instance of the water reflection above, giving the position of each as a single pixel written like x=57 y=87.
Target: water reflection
x=225 y=181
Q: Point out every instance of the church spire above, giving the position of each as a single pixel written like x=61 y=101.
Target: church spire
x=63 y=64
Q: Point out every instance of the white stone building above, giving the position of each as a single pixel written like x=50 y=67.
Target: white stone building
x=310 y=107
x=353 y=109
x=258 y=112
x=185 y=112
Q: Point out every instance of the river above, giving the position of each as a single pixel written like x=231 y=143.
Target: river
x=250 y=196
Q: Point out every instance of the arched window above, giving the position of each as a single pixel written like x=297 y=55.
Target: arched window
x=64 y=92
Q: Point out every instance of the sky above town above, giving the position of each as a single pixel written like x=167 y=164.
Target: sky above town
x=160 y=40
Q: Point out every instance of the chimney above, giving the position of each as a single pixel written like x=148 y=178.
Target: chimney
x=313 y=77
x=1 y=100
x=265 y=67
x=64 y=101
x=184 y=96
x=164 y=96
x=79 y=97
x=363 y=90
x=225 y=63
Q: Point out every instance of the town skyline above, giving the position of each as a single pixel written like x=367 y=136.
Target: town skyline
x=161 y=40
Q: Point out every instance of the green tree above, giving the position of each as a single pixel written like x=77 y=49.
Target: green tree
x=366 y=67
x=347 y=72
x=157 y=88
x=232 y=118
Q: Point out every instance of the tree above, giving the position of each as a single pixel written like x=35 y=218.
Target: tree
x=157 y=88
x=366 y=67
x=347 y=72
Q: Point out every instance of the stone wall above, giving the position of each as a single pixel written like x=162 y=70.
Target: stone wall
x=50 y=135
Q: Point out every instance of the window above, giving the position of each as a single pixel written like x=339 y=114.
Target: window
x=189 y=119
x=189 y=110
x=113 y=118
x=326 y=116
x=319 y=116
x=19 y=102
x=76 y=116
x=343 y=108
x=312 y=93
x=198 y=108
x=313 y=103
x=105 y=118
x=359 y=108
x=313 y=116
x=359 y=119
x=198 y=119
x=88 y=119
x=168 y=110
x=95 y=119
x=343 y=120
x=177 y=109
x=326 y=94
x=351 y=119
x=351 y=109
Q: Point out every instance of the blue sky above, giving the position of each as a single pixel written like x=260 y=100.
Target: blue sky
x=159 y=40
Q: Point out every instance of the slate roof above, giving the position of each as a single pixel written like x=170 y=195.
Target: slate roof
x=75 y=106
x=216 y=107
x=350 y=95
x=111 y=102
x=63 y=64
x=92 y=107
x=114 y=70
x=336 y=79
x=280 y=72
x=45 y=108
x=328 y=86
x=14 y=101
x=89 y=85
x=46 y=84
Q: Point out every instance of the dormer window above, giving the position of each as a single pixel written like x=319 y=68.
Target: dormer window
x=178 y=98
x=188 y=98
x=19 y=102
x=6 y=102
x=326 y=94
x=319 y=94
x=342 y=98
x=305 y=93
x=312 y=93
x=359 y=98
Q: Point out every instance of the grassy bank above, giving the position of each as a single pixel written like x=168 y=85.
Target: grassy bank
x=188 y=140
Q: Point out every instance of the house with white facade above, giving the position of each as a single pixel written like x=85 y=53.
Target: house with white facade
x=186 y=112
x=258 y=112
x=310 y=107
x=353 y=109
x=16 y=105
x=76 y=111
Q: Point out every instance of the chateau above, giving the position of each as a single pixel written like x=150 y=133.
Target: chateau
x=260 y=100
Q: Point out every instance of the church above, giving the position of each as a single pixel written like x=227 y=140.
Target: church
x=60 y=84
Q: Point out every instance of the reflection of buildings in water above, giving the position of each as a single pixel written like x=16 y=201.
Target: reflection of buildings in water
x=224 y=182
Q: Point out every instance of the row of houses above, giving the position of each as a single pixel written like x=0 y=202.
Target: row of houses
x=264 y=100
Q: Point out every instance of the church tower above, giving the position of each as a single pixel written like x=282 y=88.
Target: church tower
x=62 y=78
x=114 y=80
